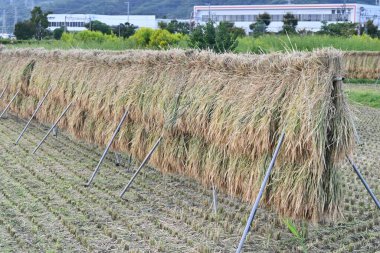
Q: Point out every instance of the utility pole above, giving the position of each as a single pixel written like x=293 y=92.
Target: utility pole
x=65 y=24
x=127 y=11
x=4 y=27
x=16 y=16
x=209 y=12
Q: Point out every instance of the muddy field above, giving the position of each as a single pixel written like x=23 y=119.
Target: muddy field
x=44 y=206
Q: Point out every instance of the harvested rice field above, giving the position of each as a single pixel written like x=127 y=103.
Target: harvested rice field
x=44 y=206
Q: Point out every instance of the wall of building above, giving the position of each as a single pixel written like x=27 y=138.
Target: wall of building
x=76 y=22
x=309 y=16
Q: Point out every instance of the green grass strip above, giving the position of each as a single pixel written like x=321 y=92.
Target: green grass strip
x=362 y=81
x=367 y=97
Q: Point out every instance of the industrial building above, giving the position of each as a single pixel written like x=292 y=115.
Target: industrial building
x=309 y=16
x=76 y=22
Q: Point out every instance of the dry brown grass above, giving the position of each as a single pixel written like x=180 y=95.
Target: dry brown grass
x=234 y=108
x=362 y=65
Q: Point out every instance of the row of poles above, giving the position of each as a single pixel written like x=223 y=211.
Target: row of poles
x=150 y=153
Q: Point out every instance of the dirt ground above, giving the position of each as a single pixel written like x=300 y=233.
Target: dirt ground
x=44 y=206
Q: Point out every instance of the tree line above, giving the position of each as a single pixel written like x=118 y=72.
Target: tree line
x=219 y=37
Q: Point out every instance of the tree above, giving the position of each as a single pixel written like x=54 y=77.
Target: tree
x=371 y=29
x=209 y=35
x=57 y=33
x=35 y=27
x=40 y=21
x=24 y=30
x=345 y=29
x=175 y=27
x=197 y=39
x=96 y=25
x=162 y=25
x=125 y=30
x=262 y=22
x=265 y=17
x=290 y=23
x=238 y=31
x=258 y=28
x=225 y=39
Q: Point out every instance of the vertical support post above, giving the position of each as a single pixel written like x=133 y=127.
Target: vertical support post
x=214 y=198
x=9 y=104
x=356 y=170
x=52 y=127
x=128 y=165
x=33 y=115
x=117 y=159
x=55 y=131
x=146 y=159
x=106 y=150
x=263 y=184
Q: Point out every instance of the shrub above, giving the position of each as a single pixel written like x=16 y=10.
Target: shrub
x=164 y=39
x=142 y=36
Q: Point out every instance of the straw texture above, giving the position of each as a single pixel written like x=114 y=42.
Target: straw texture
x=220 y=115
x=362 y=65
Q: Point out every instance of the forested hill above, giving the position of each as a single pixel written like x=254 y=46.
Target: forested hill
x=19 y=9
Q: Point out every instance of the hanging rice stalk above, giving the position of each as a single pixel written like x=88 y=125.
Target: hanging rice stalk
x=229 y=111
x=364 y=65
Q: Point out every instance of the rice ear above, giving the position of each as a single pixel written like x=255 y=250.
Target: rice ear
x=220 y=115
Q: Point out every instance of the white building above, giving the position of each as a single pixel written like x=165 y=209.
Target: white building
x=76 y=22
x=309 y=16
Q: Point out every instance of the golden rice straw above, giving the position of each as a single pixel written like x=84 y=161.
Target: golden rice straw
x=236 y=106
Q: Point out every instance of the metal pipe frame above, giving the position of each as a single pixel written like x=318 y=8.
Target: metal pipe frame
x=9 y=104
x=33 y=115
x=52 y=127
x=356 y=170
x=107 y=149
x=3 y=92
x=146 y=159
x=258 y=198
x=117 y=159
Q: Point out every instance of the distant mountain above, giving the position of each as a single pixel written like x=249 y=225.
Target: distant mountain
x=19 y=9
